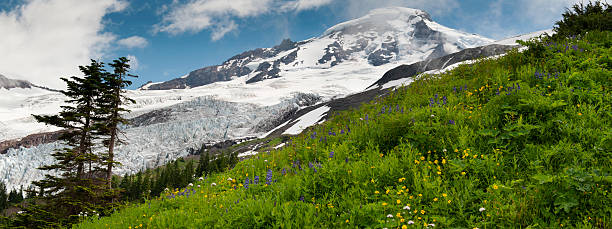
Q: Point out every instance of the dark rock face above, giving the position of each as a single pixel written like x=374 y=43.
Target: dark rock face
x=30 y=141
x=404 y=71
x=11 y=83
x=234 y=67
x=335 y=54
x=150 y=118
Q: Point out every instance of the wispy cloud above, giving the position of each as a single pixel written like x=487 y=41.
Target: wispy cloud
x=43 y=40
x=220 y=15
x=357 y=8
x=133 y=42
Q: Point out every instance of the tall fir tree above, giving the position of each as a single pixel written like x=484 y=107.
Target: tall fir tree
x=111 y=102
x=70 y=187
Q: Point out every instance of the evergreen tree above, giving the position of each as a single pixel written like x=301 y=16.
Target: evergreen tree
x=74 y=190
x=111 y=103
x=3 y=197
x=15 y=197
x=582 y=18
x=188 y=173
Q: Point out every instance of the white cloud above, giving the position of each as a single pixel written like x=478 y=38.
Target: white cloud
x=133 y=42
x=219 y=15
x=134 y=64
x=358 y=8
x=43 y=40
x=543 y=12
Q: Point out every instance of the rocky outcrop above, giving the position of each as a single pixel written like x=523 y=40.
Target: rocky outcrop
x=404 y=71
x=30 y=141
x=11 y=83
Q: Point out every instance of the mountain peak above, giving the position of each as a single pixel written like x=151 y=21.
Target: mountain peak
x=382 y=19
x=11 y=83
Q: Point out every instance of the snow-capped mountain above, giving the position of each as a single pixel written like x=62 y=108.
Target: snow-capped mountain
x=248 y=95
x=383 y=36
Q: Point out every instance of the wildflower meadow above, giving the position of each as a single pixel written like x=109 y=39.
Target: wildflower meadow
x=522 y=140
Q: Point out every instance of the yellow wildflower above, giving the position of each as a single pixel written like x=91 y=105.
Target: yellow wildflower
x=347 y=221
x=422 y=158
x=384 y=204
x=404 y=227
x=422 y=212
x=398 y=201
x=435 y=199
x=495 y=187
x=449 y=201
x=376 y=192
x=444 y=194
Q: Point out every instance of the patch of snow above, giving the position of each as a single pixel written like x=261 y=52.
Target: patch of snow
x=248 y=153
x=276 y=128
x=523 y=37
x=279 y=145
x=307 y=120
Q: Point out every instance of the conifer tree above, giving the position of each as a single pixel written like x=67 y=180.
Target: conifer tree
x=3 y=197
x=111 y=103
x=73 y=189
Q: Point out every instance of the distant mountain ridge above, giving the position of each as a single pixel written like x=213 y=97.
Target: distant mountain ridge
x=11 y=83
x=381 y=37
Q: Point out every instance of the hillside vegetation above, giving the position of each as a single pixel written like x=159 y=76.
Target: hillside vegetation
x=523 y=140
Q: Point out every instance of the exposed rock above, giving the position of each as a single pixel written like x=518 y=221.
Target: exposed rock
x=404 y=71
x=11 y=83
x=30 y=141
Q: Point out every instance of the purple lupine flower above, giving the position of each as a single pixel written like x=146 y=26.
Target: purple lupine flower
x=269 y=177
x=331 y=154
x=455 y=89
x=431 y=102
x=451 y=122
x=256 y=179
x=342 y=131
x=444 y=100
x=346 y=160
x=284 y=171
x=246 y=183
x=390 y=110
x=366 y=118
x=310 y=165
x=302 y=198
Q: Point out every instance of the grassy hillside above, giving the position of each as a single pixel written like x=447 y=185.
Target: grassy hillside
x=522 y=140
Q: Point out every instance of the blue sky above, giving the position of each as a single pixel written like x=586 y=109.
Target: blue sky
x=42 y=40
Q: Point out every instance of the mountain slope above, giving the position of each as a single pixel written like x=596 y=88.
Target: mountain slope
x=512 y=142
x=383 y=36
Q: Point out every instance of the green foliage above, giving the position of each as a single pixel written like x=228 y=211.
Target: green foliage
x=521 y=141
x=4 y=202
x=594 y=16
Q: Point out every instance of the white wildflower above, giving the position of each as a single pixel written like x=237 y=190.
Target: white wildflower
x=432 y=115
x=406 y=207
x=201 y=178
x=431 y=225
x=389 y=216
x=213 y=184
x=190 y=184
x=444 y=150
x=229 y=179
x=481 y=209
x=198 y=186
x=410 y=222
